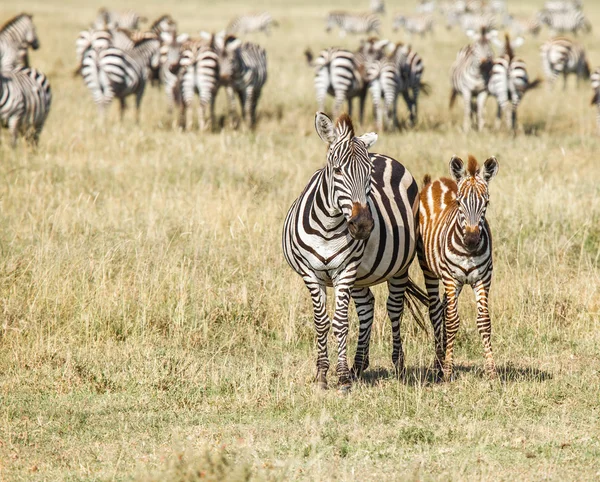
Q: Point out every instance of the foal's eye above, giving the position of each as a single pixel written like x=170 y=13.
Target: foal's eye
x=337 y=170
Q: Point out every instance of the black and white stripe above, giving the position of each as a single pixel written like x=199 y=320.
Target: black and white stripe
x=353 y=226
x=410 y=68
x=338 y=73
x=17 y=35
x=563 y=56
x=25 y=98
x=253 y=22
x=384 y=85
x=353 y=23
x=470 y=74
x=569 y=21
x=563 y=5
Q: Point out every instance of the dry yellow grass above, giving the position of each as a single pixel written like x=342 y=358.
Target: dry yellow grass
x=151 y=328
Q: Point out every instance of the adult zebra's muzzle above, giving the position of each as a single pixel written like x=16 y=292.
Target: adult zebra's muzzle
x=361 y=222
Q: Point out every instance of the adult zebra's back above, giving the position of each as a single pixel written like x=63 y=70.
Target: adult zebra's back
x=353 y=226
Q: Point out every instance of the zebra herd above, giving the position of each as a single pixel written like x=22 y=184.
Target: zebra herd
x=361 y=220
x=116 y=60
x=25 y=94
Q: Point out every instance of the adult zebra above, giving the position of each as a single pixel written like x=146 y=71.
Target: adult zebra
x=384 y=84
x=197 y=71
x=111 y=73
x=353 y=226
x=561 y=55
x=595 y=78
x=455 y=246
x=355 y=23
x=572 y=21
x=25 y=98
x=243 y=71
x=470 y=74
x=339 y=73
x=508 y=83
x=16 y=36
x=253 y=22
x=410 y=68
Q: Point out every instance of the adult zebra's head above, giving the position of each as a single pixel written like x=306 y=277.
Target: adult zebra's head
x=472 y=196
x=349 y=170
x=30 y=37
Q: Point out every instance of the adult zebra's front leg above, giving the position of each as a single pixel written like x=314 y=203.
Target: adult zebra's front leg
x=484 y=324
x=340 y=330
x=233 y=117
x=365 y=309
x=318 y=295
x=481 y=98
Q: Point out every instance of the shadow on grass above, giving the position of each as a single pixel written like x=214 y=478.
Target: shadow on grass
x=426 y=375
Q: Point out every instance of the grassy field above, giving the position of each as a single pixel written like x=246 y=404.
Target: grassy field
x=151 y=329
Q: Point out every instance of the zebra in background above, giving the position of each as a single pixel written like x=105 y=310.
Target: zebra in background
x=163 y=24
x=455 y=246
x=91 y=39
x=595 y=78
x=338 y=72
x=563 y=5
x=197 y=71
x=384 y=84
x=111 y=19
x=378 y=6
x=520 y=26
x=508 y=83
x=353 y=226
x=170 y=49
x=561 y=55
x=16 y=36
x=470 y=74
x=572 y=21
x=409 y=68
x=25 y=99
x=426 y=6
x=254 y=22
x=417 y=24
x=354 y=23
x=243 y=71
x=112 y=72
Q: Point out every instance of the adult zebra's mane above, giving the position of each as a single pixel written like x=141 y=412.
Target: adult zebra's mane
x=14 y=20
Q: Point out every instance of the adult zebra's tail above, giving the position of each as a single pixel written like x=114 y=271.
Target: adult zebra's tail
x=413 y=296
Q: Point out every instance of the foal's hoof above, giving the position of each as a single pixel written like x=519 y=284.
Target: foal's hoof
x=344 y=389
x=321 y=385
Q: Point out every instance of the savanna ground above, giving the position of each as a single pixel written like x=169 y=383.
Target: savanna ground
x=151 y=328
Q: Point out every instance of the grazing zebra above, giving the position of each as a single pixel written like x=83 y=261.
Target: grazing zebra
x=455 y=246
x=561 y=55
x=111 y=19
x=417 y=24
x=508 y=83
x=254 y=22
x=338 y=73
x=595 y=78
x=354 y=23
x=378 y=6
x=565 y=21
x=409 y=66
x=16 y=36
x=112 y=72
x=25 y=98
x=243 y=71
x=470 y=75
x=197 y=71
x=353 y=226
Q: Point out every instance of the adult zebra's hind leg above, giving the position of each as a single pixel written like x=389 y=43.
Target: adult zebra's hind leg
x=395 y=307
x=365 y=309
x=318 y=294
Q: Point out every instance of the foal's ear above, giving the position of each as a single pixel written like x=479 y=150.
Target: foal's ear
x=490 y=169
x=457 y=168
x=324 y=127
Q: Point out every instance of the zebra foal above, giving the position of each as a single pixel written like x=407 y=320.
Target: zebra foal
x=353 y=226
x=455 y=246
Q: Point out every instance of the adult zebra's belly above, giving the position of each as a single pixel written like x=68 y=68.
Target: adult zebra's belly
x=394 y=204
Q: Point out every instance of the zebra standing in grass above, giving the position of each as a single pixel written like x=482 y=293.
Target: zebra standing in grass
x=561 y=55
x=508 y=83
x=338 y=73
x=25 y=98
x=595 y=78
x=384 y=85
x=353 y=226
x=112 y=72
x=243 y=71
x=197 y=71
x=455 y=247
x=253 y=22
x=572 y=21
x=470 y=74
x=354 y=23
x=16 y=36
x=417 y=24
x=91 y=39
x=409 y=67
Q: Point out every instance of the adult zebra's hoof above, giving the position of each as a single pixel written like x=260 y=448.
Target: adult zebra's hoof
x=321 y=385
x=344 y=388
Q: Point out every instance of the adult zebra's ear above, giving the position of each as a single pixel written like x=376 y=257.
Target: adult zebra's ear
x=490 y=169
x=324 y=127
x=457 y=168
x=368 y=139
